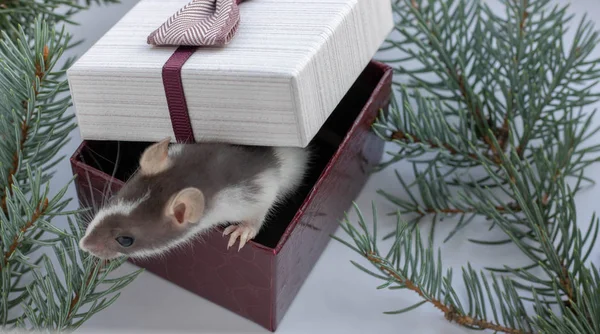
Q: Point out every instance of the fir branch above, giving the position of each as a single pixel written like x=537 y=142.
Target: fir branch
x=35 y=125
x=411 y=265
x=449 y=312
x=41 y=65
x=29 y=107
x=39 y=212
x=450 y=67
x=508 y=103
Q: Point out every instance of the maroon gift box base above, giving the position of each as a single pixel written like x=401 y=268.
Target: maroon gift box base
x=261 y=281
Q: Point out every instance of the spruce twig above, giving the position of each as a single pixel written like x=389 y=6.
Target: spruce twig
x=36 y=294
x=509 y=102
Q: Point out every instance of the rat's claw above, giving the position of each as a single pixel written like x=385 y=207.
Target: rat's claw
x=245 y=231
x=229 y=229
x=233 y=238
x=246 y=235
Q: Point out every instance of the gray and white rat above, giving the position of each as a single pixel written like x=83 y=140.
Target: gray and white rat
x=182 y=190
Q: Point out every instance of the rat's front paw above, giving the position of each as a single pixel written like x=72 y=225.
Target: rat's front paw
x=245 y=231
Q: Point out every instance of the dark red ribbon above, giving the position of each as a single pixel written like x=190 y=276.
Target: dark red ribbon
x=173 y=85
x=171 y=75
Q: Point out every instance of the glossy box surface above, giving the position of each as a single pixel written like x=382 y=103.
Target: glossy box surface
x=261 y=281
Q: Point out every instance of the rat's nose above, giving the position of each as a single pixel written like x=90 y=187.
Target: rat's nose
x=85 y=244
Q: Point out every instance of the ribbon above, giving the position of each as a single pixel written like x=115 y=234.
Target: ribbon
x=199 y=23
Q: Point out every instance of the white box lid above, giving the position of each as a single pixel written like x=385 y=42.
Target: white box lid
x=289 y=65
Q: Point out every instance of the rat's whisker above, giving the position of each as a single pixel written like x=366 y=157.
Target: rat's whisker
x=104 y=196
x=89 y=181
x=133 y=174
x=114 y=172
x=99 y=155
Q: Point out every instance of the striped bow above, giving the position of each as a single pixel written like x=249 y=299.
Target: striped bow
x=199 y=23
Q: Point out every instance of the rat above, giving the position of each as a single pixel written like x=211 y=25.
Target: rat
x=183 y=190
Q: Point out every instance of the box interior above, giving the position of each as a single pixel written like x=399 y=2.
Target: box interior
x=102 y=155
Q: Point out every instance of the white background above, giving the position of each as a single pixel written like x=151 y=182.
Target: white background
x=336 y=297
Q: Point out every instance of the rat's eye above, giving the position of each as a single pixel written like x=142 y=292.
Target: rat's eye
x=125 y=241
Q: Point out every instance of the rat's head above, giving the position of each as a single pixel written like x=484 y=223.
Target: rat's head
x=148 y=215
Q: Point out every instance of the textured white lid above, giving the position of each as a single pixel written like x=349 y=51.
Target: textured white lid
x=289 y=65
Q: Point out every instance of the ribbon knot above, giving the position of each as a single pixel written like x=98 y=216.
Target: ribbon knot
x=199 y=23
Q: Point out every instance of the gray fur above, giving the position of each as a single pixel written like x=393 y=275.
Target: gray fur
x=209 y=166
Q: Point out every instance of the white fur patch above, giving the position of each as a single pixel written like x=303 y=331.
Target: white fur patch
x=175 y=149
x=121 y=207
x=229 y=206
x=293 y=167
x=178 y=243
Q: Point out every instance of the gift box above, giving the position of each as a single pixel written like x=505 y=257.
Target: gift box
x=286 y=69
x=260 y=281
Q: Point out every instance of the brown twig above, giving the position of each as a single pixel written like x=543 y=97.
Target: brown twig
x=503 y=133
x=478 y=114
x=545 y=199
x=398 y=135
x=40 y=74
x=571 y=300
x=408 y=138
x=524 y=19
x=39 y=212
x=449 y=312
x=513 y=207
x=565 y=281
x=77 y=296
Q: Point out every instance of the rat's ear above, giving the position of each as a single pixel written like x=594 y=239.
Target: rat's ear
x=155 y=158
x=187 y=206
